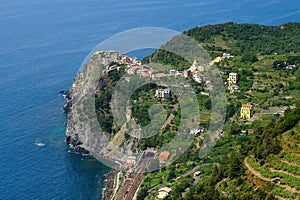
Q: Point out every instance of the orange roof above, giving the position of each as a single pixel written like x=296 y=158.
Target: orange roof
x=164 y=155
x=247 y=105
x=159 y=75
x=129 y=164
x=146 y=73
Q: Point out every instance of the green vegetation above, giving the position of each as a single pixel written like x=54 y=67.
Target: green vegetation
x=243 y=38
x=251 y=153
x=103 y=97
x=261 y=54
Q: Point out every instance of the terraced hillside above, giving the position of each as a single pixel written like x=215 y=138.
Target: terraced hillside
x=280 y=173
x=258 y=158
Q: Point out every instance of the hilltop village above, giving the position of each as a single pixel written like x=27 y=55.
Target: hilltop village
x=133 y=66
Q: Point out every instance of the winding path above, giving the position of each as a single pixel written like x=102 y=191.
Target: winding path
x=290 y=163
x=285 y=172
x=259 y=175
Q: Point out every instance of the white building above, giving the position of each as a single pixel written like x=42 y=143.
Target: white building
x=232 y=79
x=172 y=72
x=226 y=56
x=198 y=129
x=163 y=93
x=197 y=77
x=163 y=192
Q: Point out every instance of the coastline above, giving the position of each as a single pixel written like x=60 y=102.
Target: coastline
x=84 y=135
x=79 y=138
x=109 y=185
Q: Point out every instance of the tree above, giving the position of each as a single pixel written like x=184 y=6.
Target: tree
x=293 y=60
x=171 y=174
x=249 y=57
x=278 y=64
x=207 y=104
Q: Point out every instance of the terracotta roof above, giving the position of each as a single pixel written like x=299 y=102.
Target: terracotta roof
x=163 y=156
x=129 y=164
x=159 y=75
x=146 y=73
x=247 y=105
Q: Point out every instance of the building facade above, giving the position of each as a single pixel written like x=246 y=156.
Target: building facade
x=163 y=93
x=232 y=79
x=246 y=111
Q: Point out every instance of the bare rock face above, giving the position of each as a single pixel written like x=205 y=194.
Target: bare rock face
x=83 y=131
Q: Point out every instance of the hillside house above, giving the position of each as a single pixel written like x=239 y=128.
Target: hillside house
x=163 y=93
x=232 y=79
x=246 y=111
x=163 y=192
x=163 y=156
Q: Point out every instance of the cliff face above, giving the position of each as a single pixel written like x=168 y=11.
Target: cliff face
x=83 y=131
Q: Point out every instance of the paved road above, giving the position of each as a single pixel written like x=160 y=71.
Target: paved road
x=197 y=167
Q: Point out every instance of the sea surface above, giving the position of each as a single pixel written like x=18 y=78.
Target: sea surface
x=42 y=45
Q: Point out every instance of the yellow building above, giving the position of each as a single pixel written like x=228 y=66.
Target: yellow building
x=246 y=111
x=201 y=69
x=217 y=59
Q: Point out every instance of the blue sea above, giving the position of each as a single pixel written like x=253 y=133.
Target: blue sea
x=42 y=45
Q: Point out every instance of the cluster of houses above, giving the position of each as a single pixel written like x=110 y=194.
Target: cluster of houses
x=284 y=65
x=223 y=57
x=197 y=130
x=132 y=64
x=196 y=72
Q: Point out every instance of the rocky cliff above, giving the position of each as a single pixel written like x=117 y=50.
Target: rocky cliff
x=83 y=131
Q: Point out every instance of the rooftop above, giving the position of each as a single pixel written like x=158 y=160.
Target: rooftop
x=164 y=155
x=247 y=105
x=159 y=75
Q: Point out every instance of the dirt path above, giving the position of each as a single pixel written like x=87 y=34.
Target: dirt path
x=171 y=116
x=292 y=144
x=285 y=172
x=259 y=175
x=290 y=163
x=169 y=119
x=256 y=173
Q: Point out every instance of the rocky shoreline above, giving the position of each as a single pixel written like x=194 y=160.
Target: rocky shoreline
x=80 y=138
x=75 y=144
x=83 y=133
x=67 y=95
x=109 y=188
